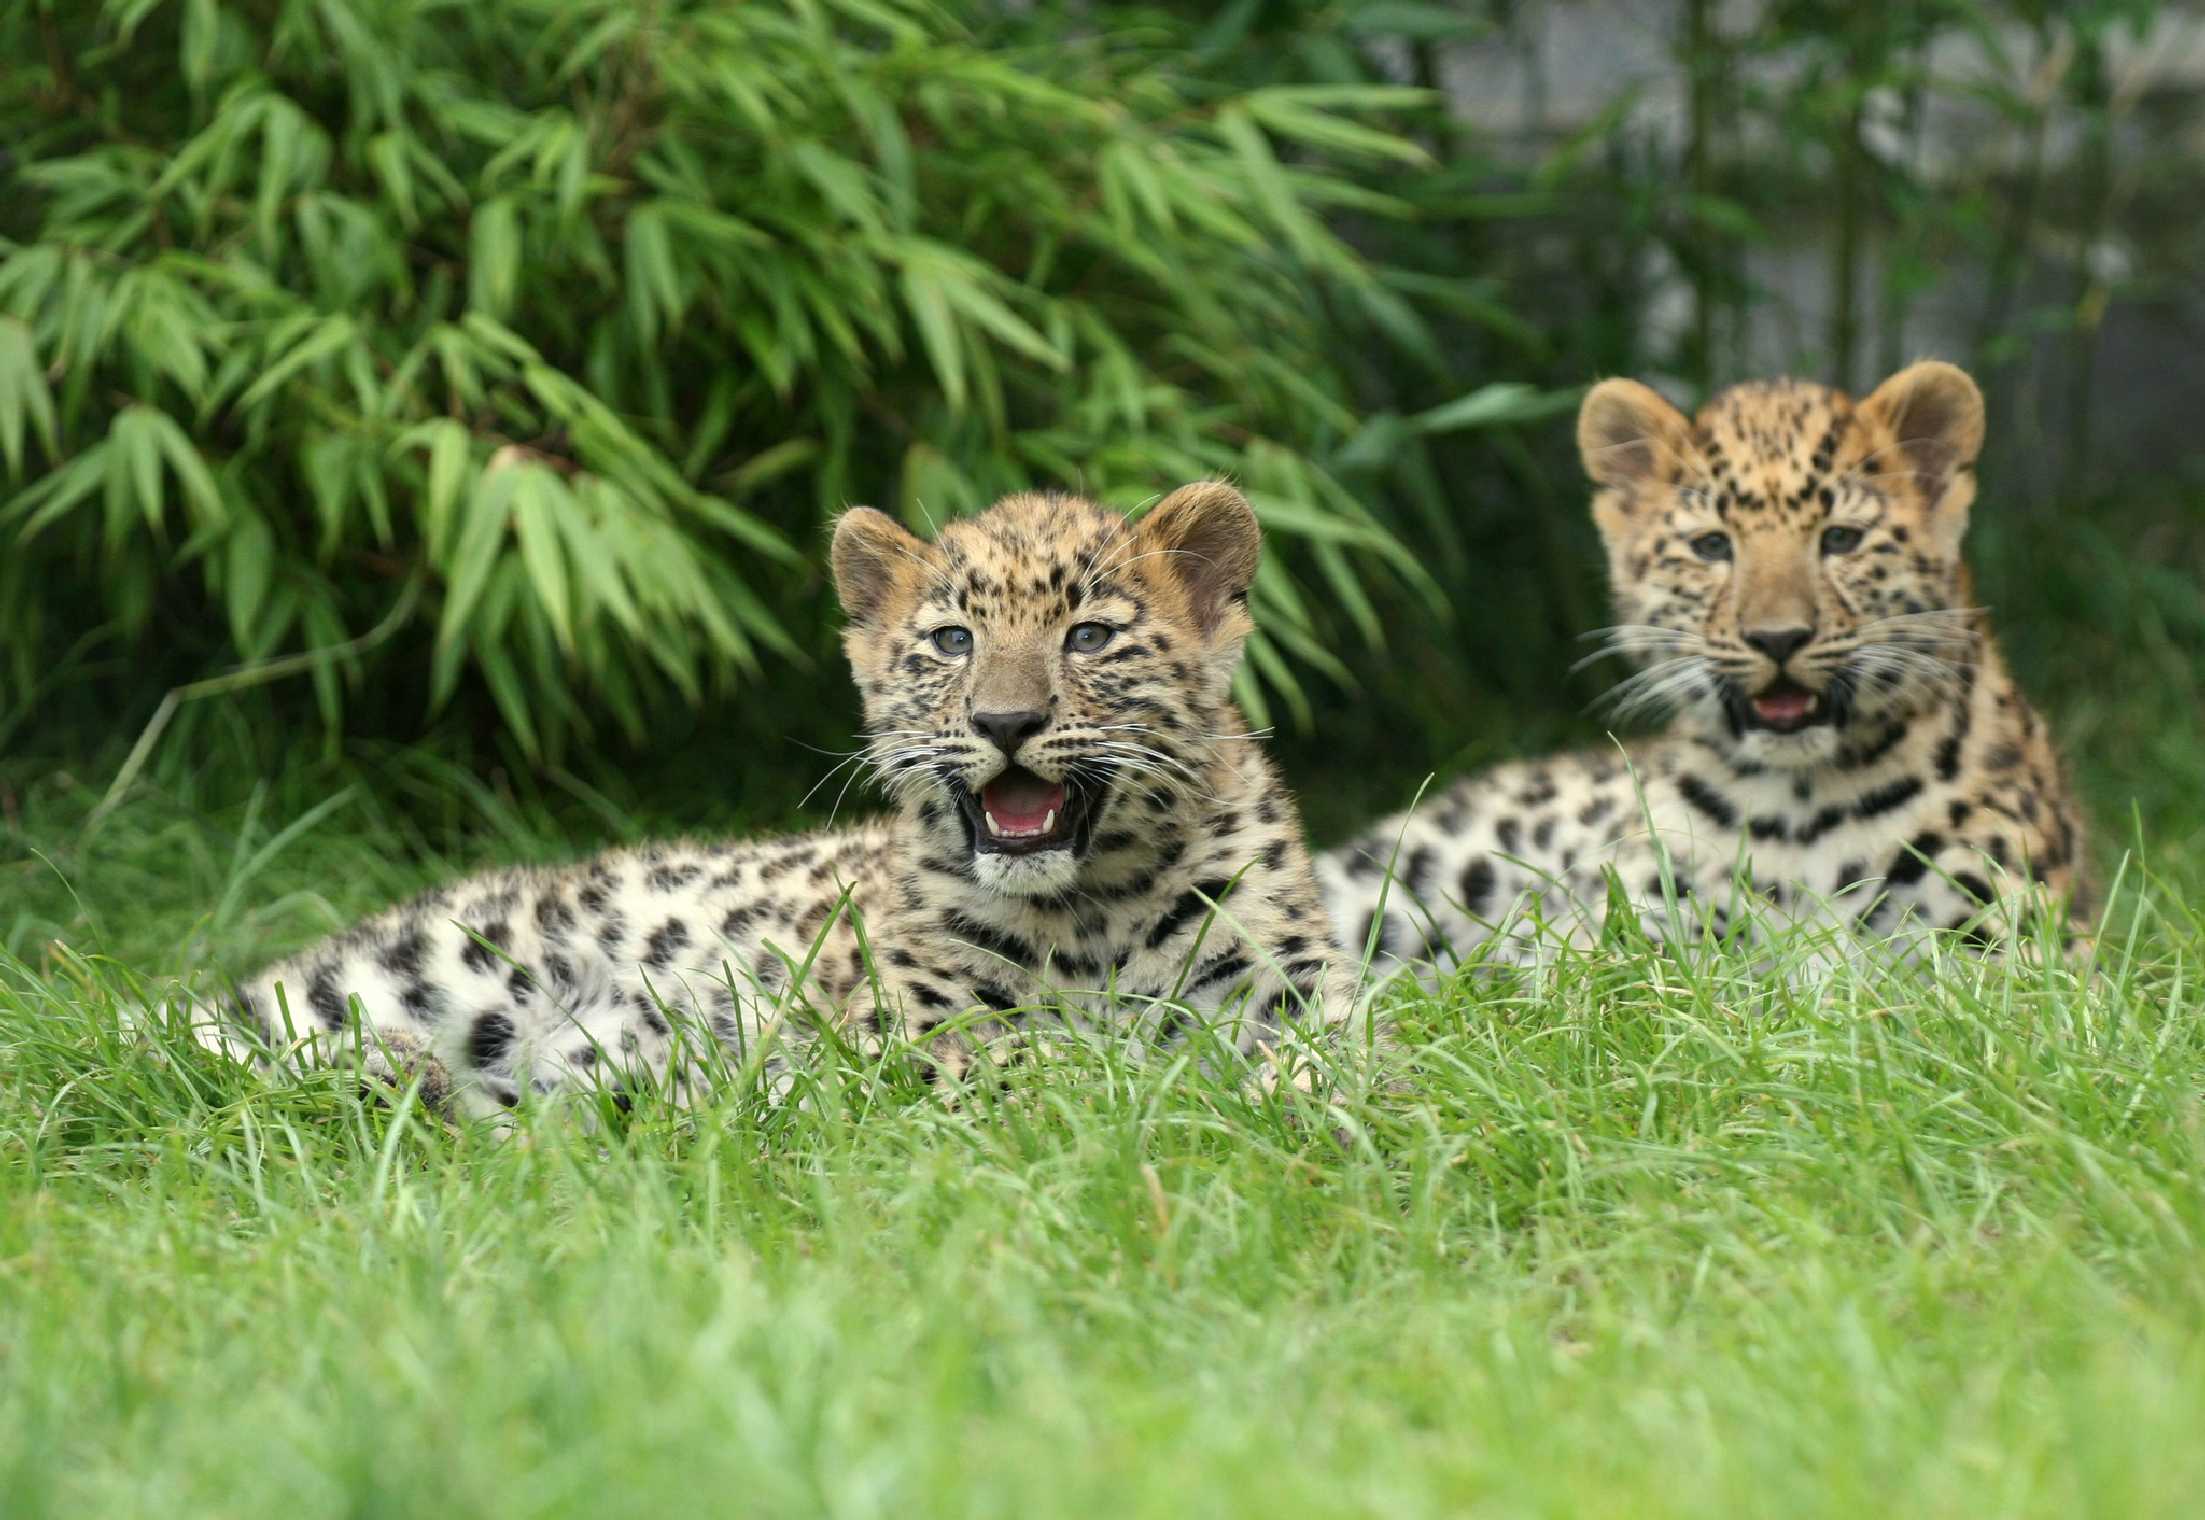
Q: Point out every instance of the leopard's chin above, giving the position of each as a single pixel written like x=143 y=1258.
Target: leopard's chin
x=1036 y=873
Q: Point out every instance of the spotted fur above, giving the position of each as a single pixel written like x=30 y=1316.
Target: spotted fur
x=1182 y=894
x=1846 y=744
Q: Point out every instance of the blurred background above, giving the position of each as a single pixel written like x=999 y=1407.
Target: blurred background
x=434 y=407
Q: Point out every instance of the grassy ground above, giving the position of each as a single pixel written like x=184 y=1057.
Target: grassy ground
x=1653 y=1237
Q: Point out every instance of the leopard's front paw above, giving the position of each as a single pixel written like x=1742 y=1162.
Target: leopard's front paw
x=395 y=1062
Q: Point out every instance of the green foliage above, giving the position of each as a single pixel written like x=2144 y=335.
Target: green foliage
x=559 y=326
x=585 y=314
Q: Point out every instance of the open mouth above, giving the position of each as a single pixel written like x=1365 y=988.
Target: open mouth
x=1784 y=707
x=1020 y=813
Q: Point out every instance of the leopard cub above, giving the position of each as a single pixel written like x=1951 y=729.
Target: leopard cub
x=1084 y=833
x=1846 y=745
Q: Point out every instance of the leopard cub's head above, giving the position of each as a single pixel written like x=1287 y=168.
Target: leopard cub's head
x=1786 y=565
x=1047 y=675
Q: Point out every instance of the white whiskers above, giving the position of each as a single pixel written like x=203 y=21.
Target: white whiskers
x=1680 y=666
x=1660 y=688
x=1927 y=651
x=1640 y=641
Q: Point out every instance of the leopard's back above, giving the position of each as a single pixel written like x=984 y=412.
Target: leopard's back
x=521 y=979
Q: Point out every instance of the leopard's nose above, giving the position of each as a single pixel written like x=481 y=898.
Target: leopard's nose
x=1008 y=730
x=1779 y=644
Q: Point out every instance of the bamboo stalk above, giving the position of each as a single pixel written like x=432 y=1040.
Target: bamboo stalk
x=1699 y=175
x=1845 y=253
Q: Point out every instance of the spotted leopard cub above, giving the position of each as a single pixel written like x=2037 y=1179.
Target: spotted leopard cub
x=1846 y=744
x=1084 y=832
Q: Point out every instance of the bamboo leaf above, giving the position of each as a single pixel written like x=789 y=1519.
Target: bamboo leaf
x=389 y=155
x=930 y=313
x=50 y=500
x=325 y=338
x=1289 y=114
x=196 y=42
x=191 y=471
x=493 y=257
x=467 y=572
x=1492 y=405
x=769 y=465
x=134 y=470
x=597 y=560
x=281 y=150
x=841 y=183
x=248 y=570
x=983 y=308
x=1269 y=184
x=539 y=501
x=513 y=695
x=1353 y=599
x=654 y=286
x=742 y=526
x=1278 y=676
x=25 y=401
x=450 y=455
x=326 y=464
x=325 y=629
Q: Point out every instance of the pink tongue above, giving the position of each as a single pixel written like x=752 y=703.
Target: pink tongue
x=1783 y=706
x=1021 y=801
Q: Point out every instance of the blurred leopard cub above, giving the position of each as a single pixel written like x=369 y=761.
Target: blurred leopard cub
x=1046 y=697
x=1846 y=744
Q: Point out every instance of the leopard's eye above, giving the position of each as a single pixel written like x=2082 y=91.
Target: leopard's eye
x=1086 y=638
x=1840 y=540
x=1712 y=546
x=953 y=641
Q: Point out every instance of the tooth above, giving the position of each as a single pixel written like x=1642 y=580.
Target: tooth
x=1048 y=823
x=993 y=827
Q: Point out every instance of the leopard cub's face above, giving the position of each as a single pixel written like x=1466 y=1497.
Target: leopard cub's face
x=1786 y=565
x=1047 y=672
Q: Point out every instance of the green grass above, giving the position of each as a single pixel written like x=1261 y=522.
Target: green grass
x=1652 y=1237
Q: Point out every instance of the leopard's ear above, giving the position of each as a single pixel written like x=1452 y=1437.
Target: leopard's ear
x=1935 y=415
x=1628 y=435
x=1208 y=538
x=871 y=550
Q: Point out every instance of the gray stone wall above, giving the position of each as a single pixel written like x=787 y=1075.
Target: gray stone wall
x=2121 y=313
